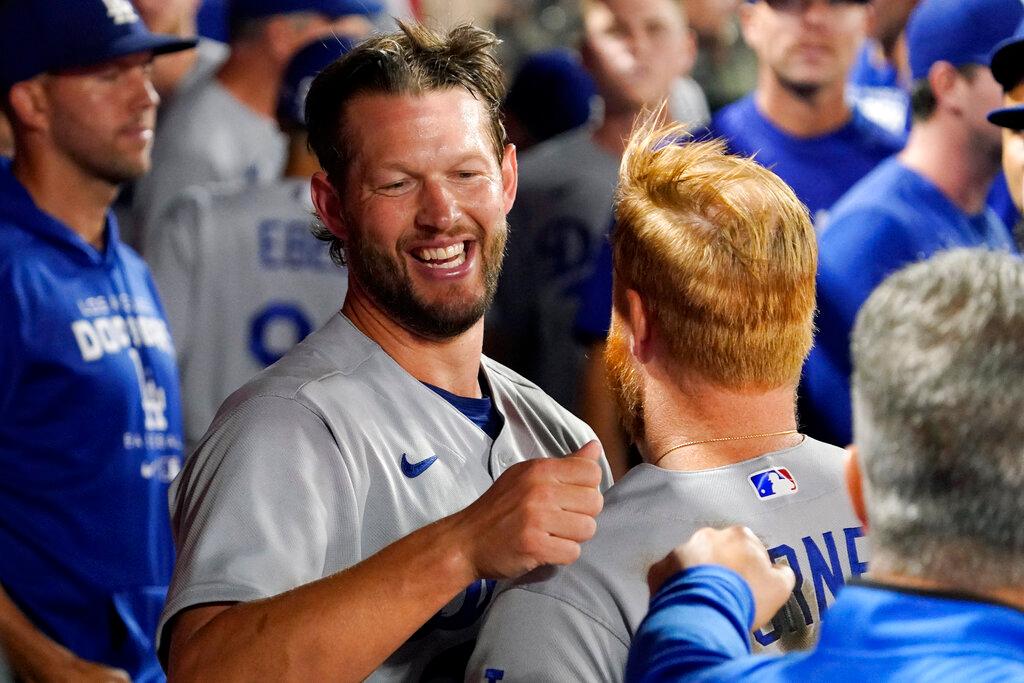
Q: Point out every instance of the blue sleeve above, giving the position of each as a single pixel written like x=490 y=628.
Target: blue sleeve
x=11 y=354
x=698 y=620
x=593 y=317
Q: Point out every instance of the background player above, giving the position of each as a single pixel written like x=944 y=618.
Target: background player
x=635 y=50
x=90 y=426
x=242 y=277
x=223 y=128
x=932 y=196
x=714 y=262
x=937 y=478
x=797 y=120
x=336 y=496
x=1008 y=70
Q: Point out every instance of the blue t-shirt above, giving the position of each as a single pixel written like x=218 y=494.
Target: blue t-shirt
x=819 y=169
x=594 y=315
x=90 y=436
x=697 y=628
x=479 y=411
x=893 y=217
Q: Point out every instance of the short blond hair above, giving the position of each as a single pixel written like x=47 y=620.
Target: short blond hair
x=722 y=253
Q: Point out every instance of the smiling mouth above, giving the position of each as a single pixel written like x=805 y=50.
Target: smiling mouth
x=443 y=258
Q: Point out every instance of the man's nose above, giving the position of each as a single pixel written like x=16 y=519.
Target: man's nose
x=144 y=95
x=439 y=208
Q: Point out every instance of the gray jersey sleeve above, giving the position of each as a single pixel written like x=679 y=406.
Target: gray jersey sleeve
x=530 y=636
x=264 y=505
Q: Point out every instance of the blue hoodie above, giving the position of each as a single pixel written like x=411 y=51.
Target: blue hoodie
x=90 y=436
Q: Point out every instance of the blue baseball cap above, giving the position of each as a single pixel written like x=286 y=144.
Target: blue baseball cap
x=958 y=31
x=255 y=9
x=1008 y=60
x=40 y=36
x=305 y=65
x=1008 y=117
x=551 y=93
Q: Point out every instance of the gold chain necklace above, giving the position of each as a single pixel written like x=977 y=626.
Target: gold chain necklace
x=721 y=438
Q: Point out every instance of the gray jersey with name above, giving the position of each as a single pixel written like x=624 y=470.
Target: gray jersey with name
x=575 y=623
x=318 y=463
x=243 y=280
x=205 y=136
x=563 y=211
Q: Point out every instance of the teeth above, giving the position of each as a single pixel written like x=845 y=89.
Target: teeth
x=441 y=253
x=455 y=263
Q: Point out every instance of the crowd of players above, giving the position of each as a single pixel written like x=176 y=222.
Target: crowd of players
x=705 y=216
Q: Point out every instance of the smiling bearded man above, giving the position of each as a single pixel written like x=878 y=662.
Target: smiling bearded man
x=338 y=521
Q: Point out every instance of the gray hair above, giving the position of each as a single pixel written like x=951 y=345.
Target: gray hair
x=938 y=394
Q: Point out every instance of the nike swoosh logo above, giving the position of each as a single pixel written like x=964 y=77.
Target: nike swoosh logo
x=415 y=469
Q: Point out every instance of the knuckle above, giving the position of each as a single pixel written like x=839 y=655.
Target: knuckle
x=589 y=528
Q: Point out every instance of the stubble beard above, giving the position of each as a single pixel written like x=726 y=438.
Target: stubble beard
x=624 y=384
x=803 y=91
x=387 y=282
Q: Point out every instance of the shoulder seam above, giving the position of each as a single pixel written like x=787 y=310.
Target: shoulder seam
x=600 y=622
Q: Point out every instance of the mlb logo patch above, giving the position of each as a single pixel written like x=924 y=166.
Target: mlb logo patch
x=774 y=482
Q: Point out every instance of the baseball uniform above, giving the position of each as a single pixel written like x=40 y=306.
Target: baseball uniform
x=561 y=215
x=820 y=169
x=205 y=136
x=575 y=623
x=243 y=280
x=334 y=453
x=893 y=217
x=90 y=436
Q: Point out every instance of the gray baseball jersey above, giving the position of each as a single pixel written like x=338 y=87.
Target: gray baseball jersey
x=243 y=281
x=575 y=623
x=332 y=454
x=205 y=136
x=562 y=212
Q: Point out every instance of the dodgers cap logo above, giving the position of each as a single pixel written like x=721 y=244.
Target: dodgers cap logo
x=773 y=482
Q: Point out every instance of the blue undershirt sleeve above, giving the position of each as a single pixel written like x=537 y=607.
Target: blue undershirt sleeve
x=698 y=620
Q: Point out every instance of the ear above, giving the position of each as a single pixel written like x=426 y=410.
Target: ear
x=870 y=19
x=854 y=485
x=945 y=84
x=688 y=56
x=328 y=205
x=747 y=13
x=30 y=105
x=639 y=326
x=509 y=176
x=280 y=37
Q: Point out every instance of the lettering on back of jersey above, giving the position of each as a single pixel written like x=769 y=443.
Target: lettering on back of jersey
x=821 y=569
x=773 y=482
x=289 y=245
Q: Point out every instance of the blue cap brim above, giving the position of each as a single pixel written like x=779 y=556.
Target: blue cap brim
x=129 y=45
x=1008 y=117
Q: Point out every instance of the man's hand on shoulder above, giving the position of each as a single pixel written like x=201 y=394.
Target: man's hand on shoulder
x=738 y=549
x=537 y=512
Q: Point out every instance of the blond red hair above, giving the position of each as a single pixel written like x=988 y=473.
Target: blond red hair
x=721 y=252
